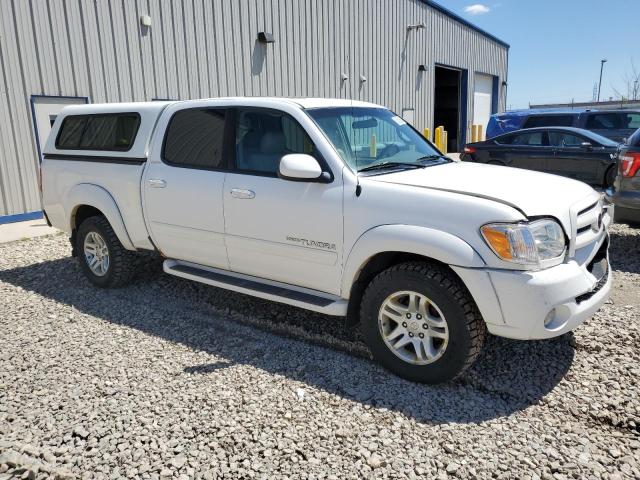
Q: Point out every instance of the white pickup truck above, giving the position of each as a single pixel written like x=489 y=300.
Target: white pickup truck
x=335 y=206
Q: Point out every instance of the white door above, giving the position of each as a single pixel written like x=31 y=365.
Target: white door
x=183 y=183
x=45 y=111
x=482 y=100
x=279 y=229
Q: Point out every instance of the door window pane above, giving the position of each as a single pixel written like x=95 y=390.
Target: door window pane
x=263 y=137
x=604 y=121
x=562 y=139
x=549 y=121
x=111 y=131
x=529 y=139
x=195 y=138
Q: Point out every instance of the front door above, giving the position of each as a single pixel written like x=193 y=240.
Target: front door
x=573 y=159
x=278 y=229
x=183 y=184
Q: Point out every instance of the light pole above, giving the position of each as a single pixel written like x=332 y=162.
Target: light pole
x=602 y=62
x=635 y=90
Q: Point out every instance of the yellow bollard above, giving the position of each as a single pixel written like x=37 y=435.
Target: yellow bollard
x=474 y=133
x=427 y=134
x=445 y=141
x=480 y=134
x=373 y=147
x=438 y=137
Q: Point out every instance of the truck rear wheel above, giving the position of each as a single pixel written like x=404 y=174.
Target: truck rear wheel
x=421 y=323
x=103 y=259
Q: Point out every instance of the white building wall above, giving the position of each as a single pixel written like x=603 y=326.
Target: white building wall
x=207 y=48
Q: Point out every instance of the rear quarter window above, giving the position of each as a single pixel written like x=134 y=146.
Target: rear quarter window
x=107 y=131
x=548 y=121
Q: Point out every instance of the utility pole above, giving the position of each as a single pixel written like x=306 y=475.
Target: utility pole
x=635 y=90
x=602 y=62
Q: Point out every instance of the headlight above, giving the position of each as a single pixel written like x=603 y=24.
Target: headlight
x=525 y=243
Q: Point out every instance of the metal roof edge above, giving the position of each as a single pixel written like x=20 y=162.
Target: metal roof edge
x=467 y=23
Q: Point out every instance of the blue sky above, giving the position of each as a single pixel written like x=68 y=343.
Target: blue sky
x=556 y=45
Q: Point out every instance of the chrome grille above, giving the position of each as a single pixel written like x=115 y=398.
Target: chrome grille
x=588 y=219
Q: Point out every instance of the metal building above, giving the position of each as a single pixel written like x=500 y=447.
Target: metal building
x=414 y=56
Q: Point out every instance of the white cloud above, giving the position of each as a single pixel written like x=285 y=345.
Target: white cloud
x=476 y=9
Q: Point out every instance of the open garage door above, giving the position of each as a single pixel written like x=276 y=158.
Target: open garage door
x=446 y=107
x=482 y=100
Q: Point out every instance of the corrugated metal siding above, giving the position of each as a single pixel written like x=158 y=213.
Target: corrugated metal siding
x=206 y=48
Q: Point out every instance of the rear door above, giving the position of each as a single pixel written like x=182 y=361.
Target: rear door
x=529 y=150
x=183 y=182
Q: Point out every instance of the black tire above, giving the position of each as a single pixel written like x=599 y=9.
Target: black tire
x=122 y=262
x=609 y=177
x=466 y=327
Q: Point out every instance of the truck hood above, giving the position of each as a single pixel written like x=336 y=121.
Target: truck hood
x=532 y=193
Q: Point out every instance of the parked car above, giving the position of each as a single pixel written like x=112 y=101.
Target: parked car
x=626 y=190
x=570 y=152
x=334 y=206
x=616 y=125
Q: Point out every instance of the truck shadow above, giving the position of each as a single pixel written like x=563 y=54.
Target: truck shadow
x=315 y=350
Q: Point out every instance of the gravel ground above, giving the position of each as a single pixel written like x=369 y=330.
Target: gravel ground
x=172 y=379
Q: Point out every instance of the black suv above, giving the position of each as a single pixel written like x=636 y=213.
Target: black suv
x=625 y=193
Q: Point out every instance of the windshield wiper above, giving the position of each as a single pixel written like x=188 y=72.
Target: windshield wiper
x=385 y=165
x=435 y=156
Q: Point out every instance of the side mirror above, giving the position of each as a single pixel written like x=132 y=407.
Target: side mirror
x=300 y=167
x=586 y=145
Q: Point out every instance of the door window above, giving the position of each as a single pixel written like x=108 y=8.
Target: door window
x=195 y=139
x=548 y=121
x=533 y=139
x=563 y=139
x=604 y=121
x=263 y=137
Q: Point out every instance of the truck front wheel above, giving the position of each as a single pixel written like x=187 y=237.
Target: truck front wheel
x=103 y=259
x=421 y=323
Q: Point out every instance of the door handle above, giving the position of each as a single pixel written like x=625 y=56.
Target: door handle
x=241 y=193
x=157 y=183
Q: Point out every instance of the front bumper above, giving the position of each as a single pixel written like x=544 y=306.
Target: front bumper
x=565 y=296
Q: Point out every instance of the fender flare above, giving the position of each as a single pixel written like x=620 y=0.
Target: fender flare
x=428 y=242
x=97 y=197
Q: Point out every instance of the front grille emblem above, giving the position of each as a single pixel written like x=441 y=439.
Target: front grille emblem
x=597 y=225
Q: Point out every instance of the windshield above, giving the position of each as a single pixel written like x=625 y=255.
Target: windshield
x=365 y=137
